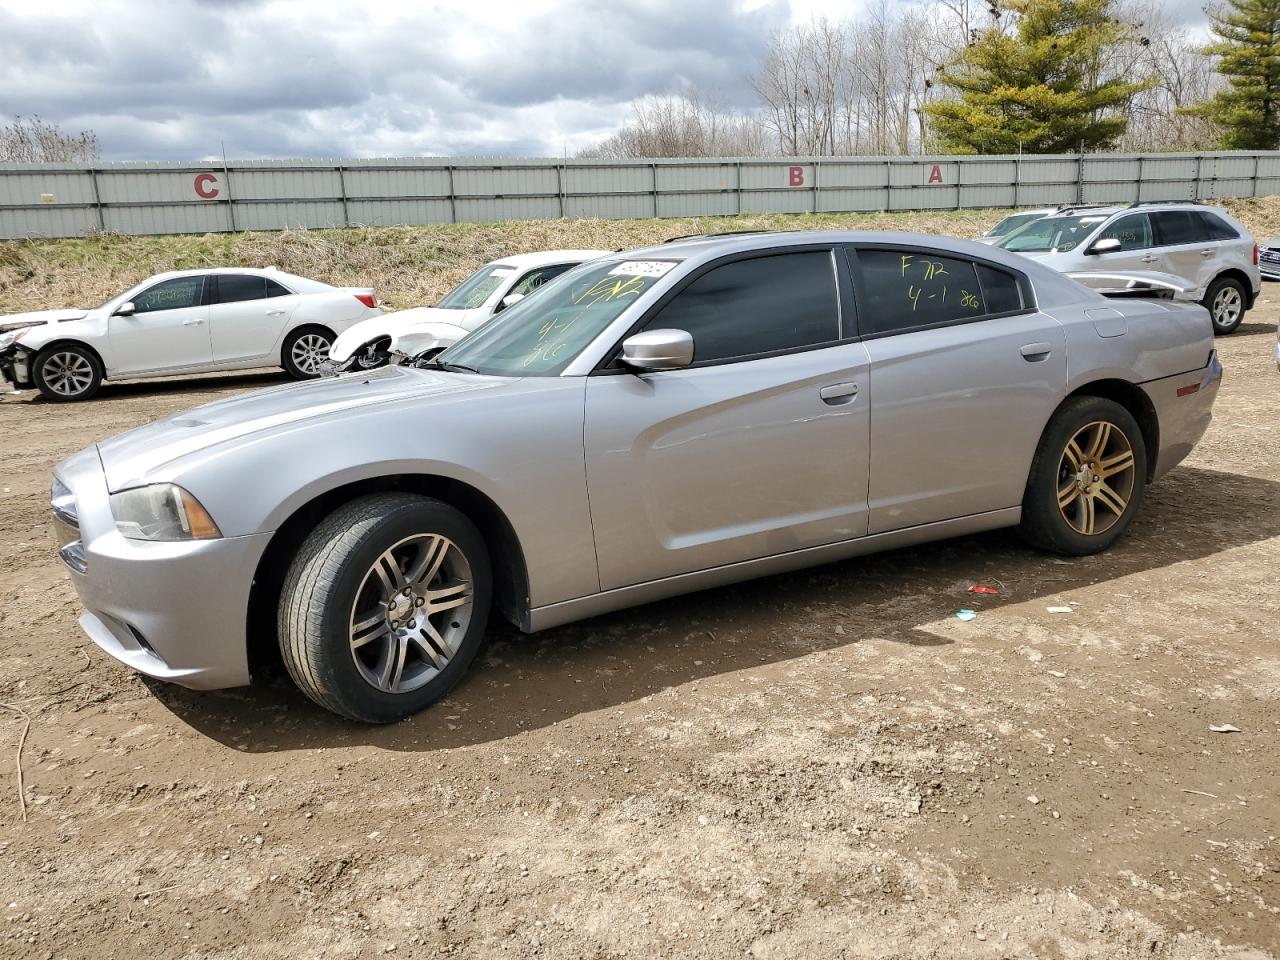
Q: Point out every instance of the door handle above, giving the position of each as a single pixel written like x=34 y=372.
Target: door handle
x=1036 y=352
x=275 y=313
x=1149 y=259
x=838 y=393
x=1206 y=253
x=192 y=323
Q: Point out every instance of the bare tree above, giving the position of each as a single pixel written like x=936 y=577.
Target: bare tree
x=33 y=140
x=684 y=125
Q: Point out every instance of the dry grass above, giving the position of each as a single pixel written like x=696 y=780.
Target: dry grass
x=411 y=266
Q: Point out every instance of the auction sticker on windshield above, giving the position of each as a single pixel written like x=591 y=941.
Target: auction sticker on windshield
x=642 y=268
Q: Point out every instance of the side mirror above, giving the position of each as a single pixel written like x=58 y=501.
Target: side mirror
x=510 y=299
x=658 y=350
x=1105 y=245
x=126 y=309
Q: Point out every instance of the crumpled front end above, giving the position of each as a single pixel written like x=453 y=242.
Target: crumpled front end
x=15 y=365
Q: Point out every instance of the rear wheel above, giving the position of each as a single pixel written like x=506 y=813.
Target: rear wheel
x=67 y=372
x=384 y=606
x=304 y=352
x=1087 y=479
x=1225 y=300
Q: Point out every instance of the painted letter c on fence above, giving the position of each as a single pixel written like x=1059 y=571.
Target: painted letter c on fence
x=795 y=177
x=935 y=175
x=205 y=186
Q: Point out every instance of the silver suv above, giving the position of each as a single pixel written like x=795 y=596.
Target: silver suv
x=1203 y=245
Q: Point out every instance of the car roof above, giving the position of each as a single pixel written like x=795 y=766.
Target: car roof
x=542 y=258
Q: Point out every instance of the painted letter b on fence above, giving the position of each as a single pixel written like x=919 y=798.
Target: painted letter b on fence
x=795 y=176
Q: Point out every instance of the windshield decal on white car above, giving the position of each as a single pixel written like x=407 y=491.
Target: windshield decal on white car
x=641 y=268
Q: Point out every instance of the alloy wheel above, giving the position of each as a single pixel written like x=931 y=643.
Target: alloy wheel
x=411 y=613
x=1227 y=306
x=309 y=351
x=67 y=374
x=1095 y=478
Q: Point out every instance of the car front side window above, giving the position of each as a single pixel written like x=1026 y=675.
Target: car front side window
x=762 y=305
x=1133 y=232
x=172 y=294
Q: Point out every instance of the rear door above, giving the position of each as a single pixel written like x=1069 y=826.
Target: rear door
x=757 y=449
x=964 y=376
x=1187 y=249
x=169 y=328
x=247 y=315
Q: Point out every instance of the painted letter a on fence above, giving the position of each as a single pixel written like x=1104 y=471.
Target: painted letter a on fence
x=795 y=177
x=935 y=175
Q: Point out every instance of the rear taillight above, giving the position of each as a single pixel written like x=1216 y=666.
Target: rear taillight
x=370 y=301
x=1255 y=254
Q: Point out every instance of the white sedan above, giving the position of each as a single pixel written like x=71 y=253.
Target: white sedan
x=190 y=321
x=472 y=303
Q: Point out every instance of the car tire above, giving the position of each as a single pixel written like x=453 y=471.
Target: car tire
x=67 y=372
x=1073 y=511
x=304 y=352
x=352 y=639
x=1226 y=300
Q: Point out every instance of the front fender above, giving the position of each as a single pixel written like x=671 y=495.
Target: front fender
x=418 y=339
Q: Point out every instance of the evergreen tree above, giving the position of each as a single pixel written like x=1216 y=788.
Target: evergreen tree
x=1049 y=85
x=1248 y=46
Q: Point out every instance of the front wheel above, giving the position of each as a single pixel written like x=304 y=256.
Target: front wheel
x=67 y=372
x=305 y=351
x=1087 y=478
x=384 y=606
x=1225 y=300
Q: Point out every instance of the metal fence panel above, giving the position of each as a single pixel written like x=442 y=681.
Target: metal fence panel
x=148 y=198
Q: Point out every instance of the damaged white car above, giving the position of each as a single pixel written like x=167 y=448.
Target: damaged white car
x=190 y=321
x=422 y=332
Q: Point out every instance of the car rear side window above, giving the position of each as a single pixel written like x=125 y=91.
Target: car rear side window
x=1000 y=290
x=902 y=289
x=172 y=294
x=763 y=305
x=1174 y=227
x=238 y=287
x=1217 y=228
x=1133 y=232
x=276 y=290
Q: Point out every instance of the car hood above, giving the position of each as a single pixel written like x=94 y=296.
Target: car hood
x=366 y=331
x=12 y=321
x=131 y=459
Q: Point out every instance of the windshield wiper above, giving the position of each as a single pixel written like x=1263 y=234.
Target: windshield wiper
x=451 y=367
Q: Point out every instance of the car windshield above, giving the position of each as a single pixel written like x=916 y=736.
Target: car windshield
x=477 y=288
x=1052 y=234
x=1012 y=223
x=540 y=336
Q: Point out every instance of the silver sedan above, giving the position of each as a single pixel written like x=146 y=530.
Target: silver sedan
x=660 y=421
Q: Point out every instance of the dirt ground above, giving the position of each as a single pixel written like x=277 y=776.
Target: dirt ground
x=825 y=764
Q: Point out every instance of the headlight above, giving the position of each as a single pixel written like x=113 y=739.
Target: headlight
x=7 y=340
x=162 y=511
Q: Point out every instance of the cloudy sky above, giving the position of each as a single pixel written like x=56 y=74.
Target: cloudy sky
x=176 y=79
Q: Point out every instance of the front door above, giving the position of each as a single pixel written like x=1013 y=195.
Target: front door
x=169 y=328
x=965 y=374
x=757 y=449
x=1136 y=238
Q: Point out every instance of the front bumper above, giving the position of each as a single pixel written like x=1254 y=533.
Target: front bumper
x=174 y=611
x=15 y=366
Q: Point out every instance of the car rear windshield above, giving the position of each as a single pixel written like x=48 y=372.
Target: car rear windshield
x=477 y=288
x=1052 y=234
x=541 y=335
x=1012 y=223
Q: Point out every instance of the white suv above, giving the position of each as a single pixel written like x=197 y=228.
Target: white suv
x=1203 y=245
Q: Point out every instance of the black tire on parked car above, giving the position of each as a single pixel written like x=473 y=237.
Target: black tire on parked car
x=65 y=372
x=1226 y=300
x=304 y=350
x=1087 y=478
x=384 y=606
